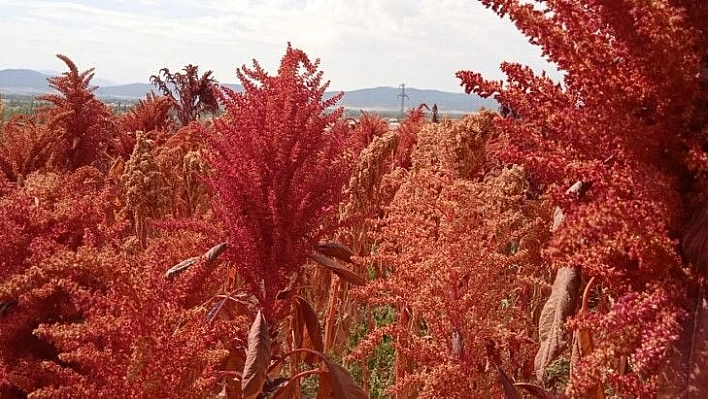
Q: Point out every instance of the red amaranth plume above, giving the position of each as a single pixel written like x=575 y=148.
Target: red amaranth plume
x=84 y=124
x=624 y=118
x=278 y=169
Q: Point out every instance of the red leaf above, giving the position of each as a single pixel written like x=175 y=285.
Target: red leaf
x=231 y=302
x=324 y=390
x=214 y=311
x=509 y=390
x=287 y=390
x=257 y=358
x=336 y=250
x=340 y=382
x=311 y=323
x=345 y=274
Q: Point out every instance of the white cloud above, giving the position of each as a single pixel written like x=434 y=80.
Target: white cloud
x=362 y=43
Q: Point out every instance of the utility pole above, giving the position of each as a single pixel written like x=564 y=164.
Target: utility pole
x=403 y=96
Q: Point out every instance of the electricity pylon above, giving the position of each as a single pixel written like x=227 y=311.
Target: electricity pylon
x=403 y=97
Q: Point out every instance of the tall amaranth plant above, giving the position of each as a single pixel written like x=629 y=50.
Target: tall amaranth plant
x=83 y=124
x=618 y=130
x=278 y=161
x=192 y=95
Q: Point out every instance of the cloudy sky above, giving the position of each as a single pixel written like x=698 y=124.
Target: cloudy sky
x=361 y=43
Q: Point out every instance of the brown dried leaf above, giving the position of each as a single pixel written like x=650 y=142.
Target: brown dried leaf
x=257 y=358
x=214 y=252
x=339 y=382
x=297 y=326
x=458 y=345
x=304 y=319
x=558 y=307
x=686 y=374
x=345 y=274
x=336 y=250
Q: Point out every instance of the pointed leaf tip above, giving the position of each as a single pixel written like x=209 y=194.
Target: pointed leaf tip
x=336 y=250
x=214 y=252
x=214 y=311
x=180 y=267
x=343 y=273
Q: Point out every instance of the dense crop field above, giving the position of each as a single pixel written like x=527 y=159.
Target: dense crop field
x=209 y=243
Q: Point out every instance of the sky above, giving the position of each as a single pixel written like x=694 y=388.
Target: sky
x=361 y=43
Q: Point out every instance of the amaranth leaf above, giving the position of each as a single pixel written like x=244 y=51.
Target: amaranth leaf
x=336 y=250
x=686 y=374
x=345 y=274
x=509 y=389
x=311 y=323
x=558 y=307
x=257 y=358
x=340 y=382
x=180 y=267
x=214 y=252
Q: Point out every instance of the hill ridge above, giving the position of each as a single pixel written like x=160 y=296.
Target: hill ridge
x=30 y=82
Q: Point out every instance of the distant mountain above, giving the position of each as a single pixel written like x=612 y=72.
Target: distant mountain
x=23 y=81
x=96 y=80
x=30 y=82
x=132 y=91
